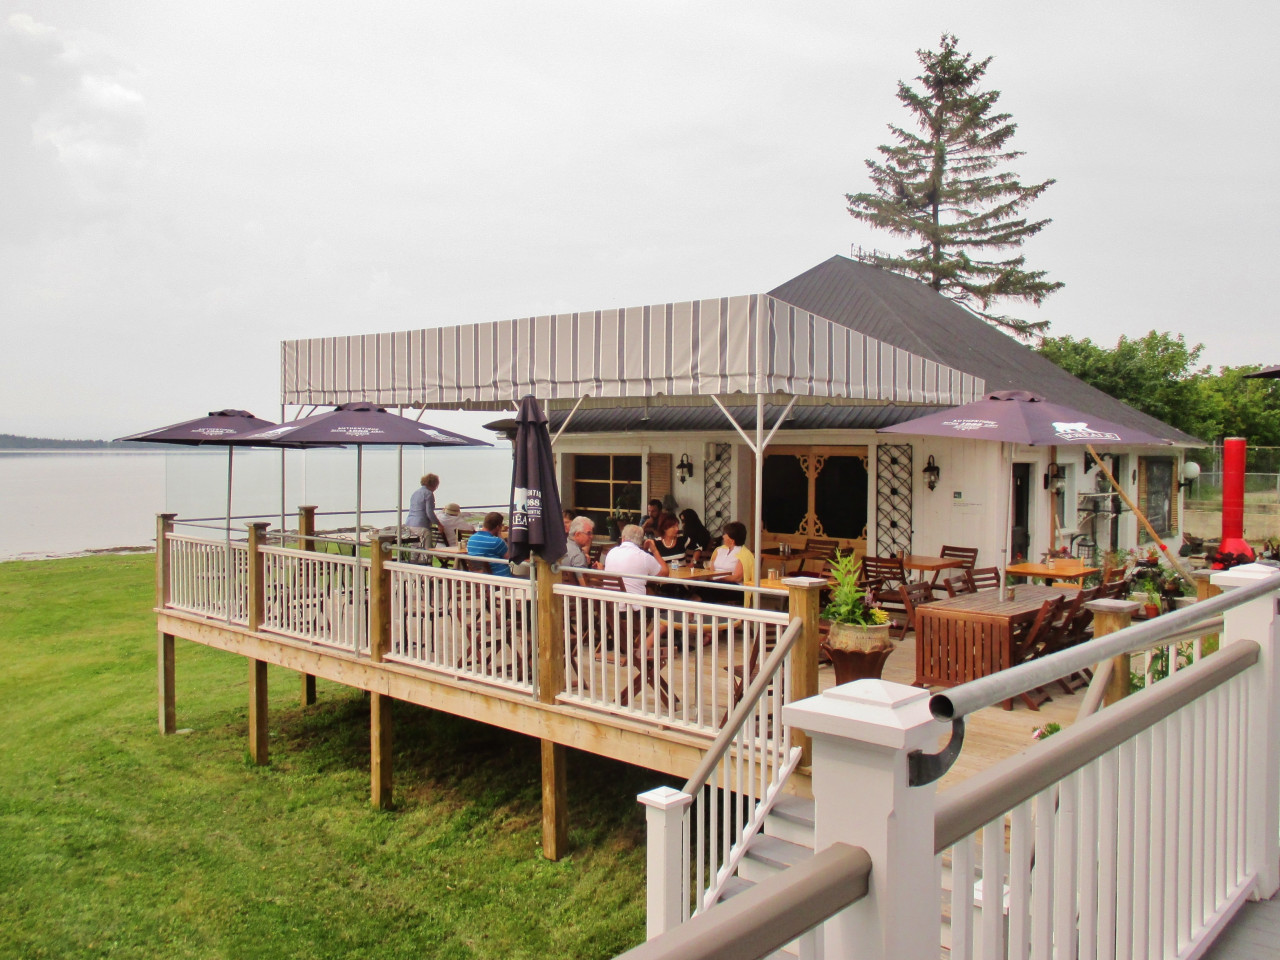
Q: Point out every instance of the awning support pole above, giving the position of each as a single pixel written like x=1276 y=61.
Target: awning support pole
x=757 y=448
x=567 y=419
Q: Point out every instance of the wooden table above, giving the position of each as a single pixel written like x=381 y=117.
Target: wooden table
x=1059 y=571
x=925 y=563
x=973 y=635
x=797 y=553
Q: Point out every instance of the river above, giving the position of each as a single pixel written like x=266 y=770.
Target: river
x=57 y=503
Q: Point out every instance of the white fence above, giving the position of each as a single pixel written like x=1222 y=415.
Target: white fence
x=472 y=625
x=318 y=597
x=210 y=578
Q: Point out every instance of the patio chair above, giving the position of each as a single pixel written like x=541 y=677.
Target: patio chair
x=887 y=569
x=958 y=586
x=910 y=596
x=1029 y=646
x=1070 y=629
x=826 y=550
x=969 y=555
x=984 y=578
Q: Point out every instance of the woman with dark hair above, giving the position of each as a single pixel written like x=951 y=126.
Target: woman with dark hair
x=734 y=562
x=671 y=543
x=696 y=535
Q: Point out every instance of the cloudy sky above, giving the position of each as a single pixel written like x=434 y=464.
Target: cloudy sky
x=187 y=184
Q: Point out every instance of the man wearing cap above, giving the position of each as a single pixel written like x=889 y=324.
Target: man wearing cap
x=452 y=523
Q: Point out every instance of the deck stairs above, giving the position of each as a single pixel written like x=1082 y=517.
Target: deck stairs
x=787 y=840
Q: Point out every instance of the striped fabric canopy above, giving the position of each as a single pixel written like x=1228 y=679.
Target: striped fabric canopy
x=749 y=344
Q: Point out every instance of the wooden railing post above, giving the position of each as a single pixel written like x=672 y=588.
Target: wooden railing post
x=1108 y=617
x=166 y=685
x=863 y=733
x=380 y=771
x=803 y=601
x=1259 y=620
x=258 y=747
x=306 y=531
x=548 y=639
x=666 y=873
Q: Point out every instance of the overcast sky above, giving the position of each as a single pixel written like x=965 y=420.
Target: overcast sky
x=187 y=184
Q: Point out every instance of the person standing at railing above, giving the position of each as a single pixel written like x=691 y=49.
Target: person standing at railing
x=422 y=509
x=489 y=543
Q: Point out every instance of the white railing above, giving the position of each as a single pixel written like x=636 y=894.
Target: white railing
x=1134 y=853
x=198 y=577
x=319 y=597
x=472 y=625
x=681 y=663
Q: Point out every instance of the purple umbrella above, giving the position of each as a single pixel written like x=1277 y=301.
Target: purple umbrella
x=360 y=423
x=1268 y=372
x=228 y=428
x=1016 y=416
x=537 y=525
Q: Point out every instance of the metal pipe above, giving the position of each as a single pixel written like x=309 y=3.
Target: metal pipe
x=998 y=687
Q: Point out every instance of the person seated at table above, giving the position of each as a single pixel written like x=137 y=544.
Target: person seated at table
x=696 y=535
x=734 y=562
x=568 y=519
x=635 y=555
x=452 y=523
x=576 y=554
x=652 y=525
x=490 y=543
x=671 y=543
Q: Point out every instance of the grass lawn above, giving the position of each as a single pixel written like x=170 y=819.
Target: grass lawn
x=117 y=842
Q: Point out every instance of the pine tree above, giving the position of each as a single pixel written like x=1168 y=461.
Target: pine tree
x=944 y=188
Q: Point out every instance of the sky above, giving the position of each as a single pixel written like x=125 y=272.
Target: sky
x=185 y=185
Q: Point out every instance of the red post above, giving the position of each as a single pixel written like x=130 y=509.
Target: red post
x=1233 y=457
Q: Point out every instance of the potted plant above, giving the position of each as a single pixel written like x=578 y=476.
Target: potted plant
x=858 y=641
x=1151 y=607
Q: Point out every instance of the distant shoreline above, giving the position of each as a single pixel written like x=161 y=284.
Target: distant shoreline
x=11 y=441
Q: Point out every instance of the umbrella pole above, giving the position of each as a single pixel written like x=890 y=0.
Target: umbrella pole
x=359 y=493
x=399 y=498
x=1006 y=468
x=1174 y=561
x=1053 y=506
x=226 y=561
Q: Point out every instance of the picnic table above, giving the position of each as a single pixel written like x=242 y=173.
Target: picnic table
x=973 y=635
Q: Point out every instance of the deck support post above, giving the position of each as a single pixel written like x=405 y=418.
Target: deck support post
x=550 y=642
x=1108 y=617
x=1259 y=620
x=379 y=644
x=803 y=601
x=258 y=750
x=862 y=735
x=306 y=530
x=166 y=686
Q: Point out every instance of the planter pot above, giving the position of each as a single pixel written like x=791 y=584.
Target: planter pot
x=859 y=639
x=1151 y=610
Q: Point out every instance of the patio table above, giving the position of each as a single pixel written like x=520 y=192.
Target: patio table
x=972 y=636
x=1058 y=571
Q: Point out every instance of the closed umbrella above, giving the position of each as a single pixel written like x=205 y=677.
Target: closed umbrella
x=1018 y=416
x=537 y=525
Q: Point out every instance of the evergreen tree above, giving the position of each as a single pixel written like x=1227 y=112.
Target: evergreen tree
x=943 y=187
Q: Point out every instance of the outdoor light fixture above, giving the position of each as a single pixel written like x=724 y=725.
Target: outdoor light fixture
x=684 y=468
x=1054 y=479
x=1190 y=474
x=931 y=472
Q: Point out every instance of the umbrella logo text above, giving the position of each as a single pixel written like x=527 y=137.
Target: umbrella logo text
x=1081 y=431
x=964 y=424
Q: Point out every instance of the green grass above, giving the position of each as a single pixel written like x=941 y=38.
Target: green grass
x=117 y=842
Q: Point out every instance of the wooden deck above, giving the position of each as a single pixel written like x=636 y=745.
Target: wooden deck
x=1254 y=933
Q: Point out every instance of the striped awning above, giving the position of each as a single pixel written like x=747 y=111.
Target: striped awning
x=748 y=345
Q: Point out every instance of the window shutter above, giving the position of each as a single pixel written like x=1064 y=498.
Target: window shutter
x=659 y=475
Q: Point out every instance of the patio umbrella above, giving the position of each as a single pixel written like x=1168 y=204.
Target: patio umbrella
x=226 y=428
x=1018 y=416
x=360 y=423
x=1270 y=372
x=537 y=525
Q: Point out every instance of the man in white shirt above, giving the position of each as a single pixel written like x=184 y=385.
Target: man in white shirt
x=451 y=522
x=630 y=556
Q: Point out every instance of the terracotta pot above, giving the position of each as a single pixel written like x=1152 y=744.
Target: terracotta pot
x=847 y=636
x=1151 y=610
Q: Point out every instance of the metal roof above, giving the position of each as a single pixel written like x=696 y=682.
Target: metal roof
x=907 y=314
x=675 y=419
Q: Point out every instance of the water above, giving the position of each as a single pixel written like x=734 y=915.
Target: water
x=62 y=502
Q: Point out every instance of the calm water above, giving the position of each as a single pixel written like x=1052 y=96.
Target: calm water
x=55 y=503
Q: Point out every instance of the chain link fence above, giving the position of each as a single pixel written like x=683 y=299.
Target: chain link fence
x=1261 y=478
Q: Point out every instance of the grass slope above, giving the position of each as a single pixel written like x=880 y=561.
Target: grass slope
x=117 y=842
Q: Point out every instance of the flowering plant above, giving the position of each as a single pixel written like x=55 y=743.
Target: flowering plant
x=1048 y=730
x=849 y=603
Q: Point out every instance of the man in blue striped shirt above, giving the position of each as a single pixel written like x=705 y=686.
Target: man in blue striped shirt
x=488 y=542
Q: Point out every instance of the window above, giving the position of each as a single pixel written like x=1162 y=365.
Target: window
x=1156 y=495
x=606 y=485
x=816 y=492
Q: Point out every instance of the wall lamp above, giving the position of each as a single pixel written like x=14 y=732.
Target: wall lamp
x=1055 y=480
x=684 y=469
x=931 y=472
x=1190 y=474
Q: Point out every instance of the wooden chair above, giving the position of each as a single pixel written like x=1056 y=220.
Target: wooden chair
x=910 y=595
x=825 y=548
x=969 y=556
x=958 y=586
x=1029 y=646
x=1071 y=628
x=887 y=569
x=614 y=645
x=984 y=578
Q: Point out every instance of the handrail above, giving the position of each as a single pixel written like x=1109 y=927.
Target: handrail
x=769 y=915
x=998 y=789
x=984 y=692
x=750 y=698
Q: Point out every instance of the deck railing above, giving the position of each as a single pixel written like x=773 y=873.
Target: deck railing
x=1137 y=832
x=209 y=577
x=319 y=597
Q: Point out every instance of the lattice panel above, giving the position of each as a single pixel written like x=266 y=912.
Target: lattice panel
x=718 y=490
x=893 y=499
